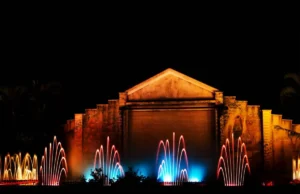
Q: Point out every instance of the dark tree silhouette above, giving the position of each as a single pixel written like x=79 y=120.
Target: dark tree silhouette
x=98 y=176
x=135 y=178
x=290 y=96
x=30 y=110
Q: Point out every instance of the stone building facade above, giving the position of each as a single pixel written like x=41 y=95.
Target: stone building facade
x=173 y=102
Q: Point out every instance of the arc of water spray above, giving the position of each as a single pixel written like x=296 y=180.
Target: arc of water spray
x=171 y=163
x=53 y=164
x=18 y=168
x=109 y=162
x=233 y=170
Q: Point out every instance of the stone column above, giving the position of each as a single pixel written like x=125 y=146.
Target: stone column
x=268 y=139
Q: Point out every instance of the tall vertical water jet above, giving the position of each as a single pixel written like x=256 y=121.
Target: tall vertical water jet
x=170 y=171
x=15 y=168
x=53 y=164
x=296 y=168
x=0 y=169
x=109 y=162
x=233 y=164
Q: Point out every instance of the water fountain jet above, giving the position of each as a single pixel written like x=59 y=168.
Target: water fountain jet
x=169 y=169
x=296 y=169
x=15 y=168
x=109 y=162
x=53 y=164
x=233 y=167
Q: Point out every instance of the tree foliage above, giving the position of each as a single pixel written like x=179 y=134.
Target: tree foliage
x=134 y=178
x=290 y=96
x=98 y=176
x=30 y=110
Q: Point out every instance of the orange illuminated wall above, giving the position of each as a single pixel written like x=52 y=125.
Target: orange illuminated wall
x=281 y=144
x=74 y=156
x=86 y=132
x=243 y=121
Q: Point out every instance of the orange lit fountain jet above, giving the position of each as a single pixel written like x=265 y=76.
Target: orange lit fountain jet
x=296 y=169
x=17 y=170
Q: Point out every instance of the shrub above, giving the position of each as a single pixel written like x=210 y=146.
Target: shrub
x=98 y=176
x=134 y=178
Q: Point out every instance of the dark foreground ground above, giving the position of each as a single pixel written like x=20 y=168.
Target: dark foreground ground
x=144 y=189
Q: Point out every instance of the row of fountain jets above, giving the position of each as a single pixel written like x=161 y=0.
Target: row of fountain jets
x=53 y=165
x=232 y=164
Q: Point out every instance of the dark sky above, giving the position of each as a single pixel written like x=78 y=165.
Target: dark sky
x=95 y=62
x=248 y=64
x=97 y=57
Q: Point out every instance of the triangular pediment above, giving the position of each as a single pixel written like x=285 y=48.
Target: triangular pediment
x=170 y=84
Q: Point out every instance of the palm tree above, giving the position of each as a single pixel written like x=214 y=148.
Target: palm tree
x=290 y=96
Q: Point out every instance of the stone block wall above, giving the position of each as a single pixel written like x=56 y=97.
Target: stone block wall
x=281 y=144
x=243 y=120
x=70 y=134
x=270 y=140
x=87 y=132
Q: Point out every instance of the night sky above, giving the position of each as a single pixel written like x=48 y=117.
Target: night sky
x=250 y=65
x=93 y=64
x=246 y=61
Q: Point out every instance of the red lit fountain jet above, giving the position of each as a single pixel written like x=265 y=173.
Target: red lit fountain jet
x=233 y=165
x=53 y=164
